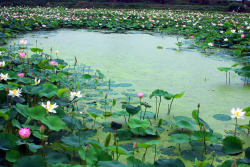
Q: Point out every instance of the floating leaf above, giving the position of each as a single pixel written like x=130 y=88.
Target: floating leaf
x=232 y=145
x=180 y=138
x=131 y=109
x=136 y=123
x=53 y=157
x=149 y=143
x=48 y=90
x=110 y=164
x=169 y=162
x=199 y=136
x=222 y=117
x=184 y=124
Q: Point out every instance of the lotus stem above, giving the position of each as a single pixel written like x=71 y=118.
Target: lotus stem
x=155 y=107
x=145 y=112
x=226 y=77
x=155 y=154
x=229 y=78
x=159 y=107
x=170 y=106
x=144 y=155
x=235 y=126
x=213 y=159
x=140 y=109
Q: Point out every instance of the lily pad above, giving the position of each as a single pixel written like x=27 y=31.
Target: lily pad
x=222 y=117
x=124 y=134
x=54 y=157
x=73 y=140
x=169 y=162
x=184 y=124
x=191 y=155
x=232 y=145
x=180 y=138
x=110 y=164
x=136 y=123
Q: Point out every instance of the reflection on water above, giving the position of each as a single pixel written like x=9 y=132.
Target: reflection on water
x=134 y=58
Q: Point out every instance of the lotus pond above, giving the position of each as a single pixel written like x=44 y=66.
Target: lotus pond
x=74 y=98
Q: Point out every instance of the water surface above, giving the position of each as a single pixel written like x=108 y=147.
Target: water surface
x=134 y=58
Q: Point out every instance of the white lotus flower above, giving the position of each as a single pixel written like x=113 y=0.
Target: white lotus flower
x=75 y=94
x=4 y=77
x=37 y=81
x=210 y=44
x=49 y=107
x=2 y=63
x=225 y=39
x=238 y=114
x=233 y=31
x=15 y=92
x=23 y=42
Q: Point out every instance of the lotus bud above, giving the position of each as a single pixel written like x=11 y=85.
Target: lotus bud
x=31 y=74
x=160 y=122
x=24 y=133
x=106 y=95
x=140 y=95
x=198 y=105
x=87 y=148
x=8 y=88
x=37 y=75
x=135 y=145
x=117 y=138
x=203 y=127
x=156 y=132
x=234 y=164
x=107 y=140
x=51 y=49
x=42 y=129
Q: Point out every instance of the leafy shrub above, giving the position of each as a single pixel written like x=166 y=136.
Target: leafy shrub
x=235 y=6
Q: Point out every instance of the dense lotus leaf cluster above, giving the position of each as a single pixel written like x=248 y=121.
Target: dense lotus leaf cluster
x=209 y=29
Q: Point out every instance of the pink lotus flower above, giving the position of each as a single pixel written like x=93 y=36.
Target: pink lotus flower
x=21 y=75
x=234 y=164
x=242 y=35
x=52 y=63
x=241 y=26
x=24 y=133
x=140 y=95
x=22 y=54
x=192 y=36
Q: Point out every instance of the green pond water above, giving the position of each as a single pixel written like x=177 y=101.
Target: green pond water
x=134 y=58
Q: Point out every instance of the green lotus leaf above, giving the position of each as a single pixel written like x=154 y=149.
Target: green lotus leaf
x=54 y=123
x=110 y=164
x=247 y=152
x=8 y=141
x=86 y=77
x=48 y=90
x=90 y=157
x=100 y=74
x=228 y=163
x=131 y=109
x=62 y=92
x=5 y=114
x=157 y=92
x=53 y=157
x=73 y=140
x=226 y=69
x=180 y=138
x=245 y=71
x=15 y=123
x=124 y=134
x=131 y=161
x=247 y=111
x=37 y=112
x=36 y=50
x=102 y=155
x=199 y=136
x=12 y=155
x=121 y=151
x=25 y=80
x=136 y=123
x=34 y=160
x=22 y=109
x=184 y=124
x=169 y=162
x=232 y=145
x=149 y=143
